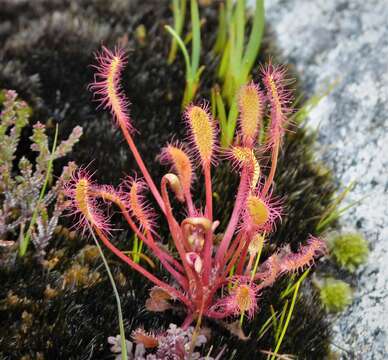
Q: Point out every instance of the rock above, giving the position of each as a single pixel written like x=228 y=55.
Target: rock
x=347 y=41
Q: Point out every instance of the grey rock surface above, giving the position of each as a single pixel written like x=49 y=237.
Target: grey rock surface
x=347 y=41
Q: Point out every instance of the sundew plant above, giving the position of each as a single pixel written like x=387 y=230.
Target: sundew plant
x=214 y=273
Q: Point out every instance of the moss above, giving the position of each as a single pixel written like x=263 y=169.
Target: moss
x=79 y=276
x=349 y=250
x=72 y=322
x=335 y=294
x=89 y=254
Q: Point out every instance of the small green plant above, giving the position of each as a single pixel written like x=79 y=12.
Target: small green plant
x=237 y=58
x=334 y=212
x=27 y=211
x=350 y=250
x=179 y=14
x=193 y=70
x=335 y=294
x=285 y=321
x=304 y=110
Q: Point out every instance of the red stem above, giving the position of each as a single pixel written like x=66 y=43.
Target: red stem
x=182 y=281
x=208 y=247
x=209 y=193
x=172 y=291
x=199 y=299
x=233 y=260
x=221 y=279
x=149 y=241
x=218 y=315
x=232 y=248
x=142 y=167
x=274 y=161
x=231 y=228
x=242 y=259
x=190 y=204
x=175 y=229
x=249 y=265
x=187 y=322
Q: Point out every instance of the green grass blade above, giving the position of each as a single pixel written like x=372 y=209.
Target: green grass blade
x=242 y=318
x=337 y=213
x=256 y=264
x=274 y=318
x=222 y=31
x=289 y=285
x=139 y=251
x=183 y=12
x=135 y=248
x=183 y=48
x=302 y=113
x=196 y=43
x=232 y=121
x=281 y=320
x=253 y=273
x=240 y=33
x=233 y=58
x=174 y=46
x=213 y=104
x=179 y=13
x=224 y=63
x=26 y=239
x=229 y=9
x=221 y=112
x=124 y=353
x=231 y=273
x=255 y=39
x=265 y=327
x=290 y=289
x=199 y=73
x=293 y=302
x=331 y=212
